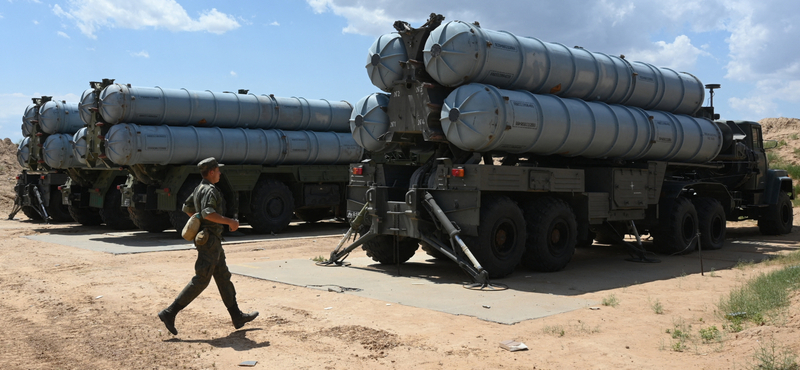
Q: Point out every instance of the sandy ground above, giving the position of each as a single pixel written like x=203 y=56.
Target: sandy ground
x=70 y=308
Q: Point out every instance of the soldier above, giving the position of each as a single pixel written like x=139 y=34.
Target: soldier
x=208 y=201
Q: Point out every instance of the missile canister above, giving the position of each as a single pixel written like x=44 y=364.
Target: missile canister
x=24 y=152
x=369 y=122
x=129 y=144
x=79 y=146
x=383 y=61
x=87 y=101
x=58 y=152
x=457 y=53
x=181 y=107
x=27 y=120
x=58 y=117
x=483 y=118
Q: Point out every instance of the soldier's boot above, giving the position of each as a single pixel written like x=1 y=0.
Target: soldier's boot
x=167 y=316
x=240 y=318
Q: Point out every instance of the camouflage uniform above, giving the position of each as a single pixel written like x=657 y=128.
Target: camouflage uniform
x=207 y=199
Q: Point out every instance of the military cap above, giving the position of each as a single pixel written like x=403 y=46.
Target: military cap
x=208 y=164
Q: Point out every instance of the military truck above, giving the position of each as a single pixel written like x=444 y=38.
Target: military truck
x=495 y=151
x=36 y=190
x=284 y=157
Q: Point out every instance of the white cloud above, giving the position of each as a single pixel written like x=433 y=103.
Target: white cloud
x=275 y=23
x=680 y=54
x=92 y=15
x=141 y=54
x=62 y=34
x=233 y=74
x=34 y=21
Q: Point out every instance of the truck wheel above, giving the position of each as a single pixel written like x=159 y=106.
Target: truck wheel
x=552 y=234
x=178 y=217
x=711 y=222
x=779 y=217
x=433 y=252
x=149 y=220
x=313 y=214
x=57 y=210
x=677 y=228
x=501 y=236
x=113 y=214
x=85 y=216
x=272 y=207
x=31 y=213
x=381 y=249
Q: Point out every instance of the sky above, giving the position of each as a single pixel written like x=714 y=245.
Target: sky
x=317 y=49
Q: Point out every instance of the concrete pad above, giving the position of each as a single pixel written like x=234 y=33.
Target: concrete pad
x=125 y=242
x=414 y=286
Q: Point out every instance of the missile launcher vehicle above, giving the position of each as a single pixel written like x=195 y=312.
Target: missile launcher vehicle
x=498 y=151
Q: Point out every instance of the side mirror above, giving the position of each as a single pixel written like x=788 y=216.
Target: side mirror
x=770 y=144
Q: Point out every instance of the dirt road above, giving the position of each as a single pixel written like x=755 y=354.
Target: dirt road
x=71 y=308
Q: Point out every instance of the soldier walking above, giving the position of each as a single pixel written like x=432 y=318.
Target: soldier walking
x=208 y=201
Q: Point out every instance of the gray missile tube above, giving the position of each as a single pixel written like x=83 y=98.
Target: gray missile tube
x=483 y=118
x=383 y=61
x=27 y=120
x=58 y=117
x=79 y=146
x=87 y=102
x=369 y=122
x=181 y=107
x=129 y=144
x=58 y=152
x=458 y=53
x=24 y=152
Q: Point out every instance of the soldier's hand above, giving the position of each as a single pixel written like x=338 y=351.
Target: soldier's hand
x=233 y=225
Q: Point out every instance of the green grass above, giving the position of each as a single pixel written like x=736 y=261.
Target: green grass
x=770 y=356
x=657 y=307
x=610 y=300
x=763 y=295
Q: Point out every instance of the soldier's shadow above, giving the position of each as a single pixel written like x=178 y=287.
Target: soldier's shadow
x=238 y=341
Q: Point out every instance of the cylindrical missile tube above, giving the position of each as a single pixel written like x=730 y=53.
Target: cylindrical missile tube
x=79 y=145
x=383 y=61
x=129 y=144
x=483 y=118
x=181 y=107
x=24 y=152
x=58 y=152
x=458 y=53
x=58 y=117
x=87 y=101
x=369 y=122
x=27 y=120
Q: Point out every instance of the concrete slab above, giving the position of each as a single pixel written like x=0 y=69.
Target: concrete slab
x=414 y=286
x=126 y=242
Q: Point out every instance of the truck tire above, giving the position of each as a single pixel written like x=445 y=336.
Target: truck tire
x=433 y=252
x=552 y=234
x=149 y=220
x=178 y=217
x=85 y=216
x=31 y=213
x=501 y=236
x=57 y=210
x=711 y=222
x=677 y=228
x=113 y=214
x=313 y=214
x=272 y=207
x=381 y=249
x=779 y=217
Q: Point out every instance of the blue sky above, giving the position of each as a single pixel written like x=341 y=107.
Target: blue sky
x=317 y=48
